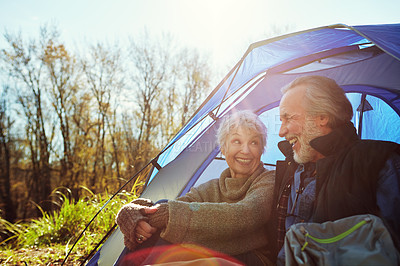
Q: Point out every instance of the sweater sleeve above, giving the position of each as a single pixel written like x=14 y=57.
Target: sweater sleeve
x=230 y=227
x=199 y=194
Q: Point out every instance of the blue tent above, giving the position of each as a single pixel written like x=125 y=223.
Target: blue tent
x=364 y=60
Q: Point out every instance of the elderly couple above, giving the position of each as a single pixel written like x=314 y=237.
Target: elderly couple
x=247 y=211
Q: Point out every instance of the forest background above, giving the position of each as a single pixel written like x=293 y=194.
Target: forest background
x=88 y=118
x=74 y=121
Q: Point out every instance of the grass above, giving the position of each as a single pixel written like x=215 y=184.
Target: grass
x=47 y=240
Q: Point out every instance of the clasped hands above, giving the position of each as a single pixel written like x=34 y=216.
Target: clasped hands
x=133 y=220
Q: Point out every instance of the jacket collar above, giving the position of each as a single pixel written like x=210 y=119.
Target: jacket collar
x=329 y=144
x=340 y=138
x=286 y=148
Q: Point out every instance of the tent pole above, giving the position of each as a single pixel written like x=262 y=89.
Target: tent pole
x=363 y=97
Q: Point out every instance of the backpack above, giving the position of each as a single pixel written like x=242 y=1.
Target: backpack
x=355 y=240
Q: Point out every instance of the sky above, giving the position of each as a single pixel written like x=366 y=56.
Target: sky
x=221 y=28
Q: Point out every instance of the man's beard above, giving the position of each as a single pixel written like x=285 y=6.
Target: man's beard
x=307 y=153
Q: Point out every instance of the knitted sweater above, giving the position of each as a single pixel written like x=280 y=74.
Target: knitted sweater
x=225 y=214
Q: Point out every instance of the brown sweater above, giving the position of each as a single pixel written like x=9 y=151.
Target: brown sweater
x=226 y=214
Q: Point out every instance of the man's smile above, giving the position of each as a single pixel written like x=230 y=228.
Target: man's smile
x=293 y=141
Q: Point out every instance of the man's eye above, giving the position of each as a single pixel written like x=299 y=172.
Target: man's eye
x=286 y=118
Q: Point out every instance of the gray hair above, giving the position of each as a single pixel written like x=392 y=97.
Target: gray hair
x=324 y=97
x=244 y=119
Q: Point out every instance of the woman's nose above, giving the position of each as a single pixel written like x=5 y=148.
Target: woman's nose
x=245 y=148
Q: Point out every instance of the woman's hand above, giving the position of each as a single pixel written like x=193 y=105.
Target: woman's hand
x=128 y=217
x=132 y=220
x=144 y=231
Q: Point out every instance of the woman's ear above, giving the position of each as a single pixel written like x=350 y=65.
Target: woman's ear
x=222 y=150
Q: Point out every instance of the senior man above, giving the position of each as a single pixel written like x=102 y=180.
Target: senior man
x=329 y=173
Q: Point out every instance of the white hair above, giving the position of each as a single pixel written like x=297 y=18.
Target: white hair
x=324 y=96
x=244 y=119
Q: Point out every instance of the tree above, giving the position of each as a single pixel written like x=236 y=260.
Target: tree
x=189 y=86
x=197 y=76
x=6 y=142
x=169 y=84
x=25 y=67
x=62 y=89
x=102 y=73
x=151 y=69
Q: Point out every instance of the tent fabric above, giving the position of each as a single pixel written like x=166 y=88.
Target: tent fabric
x=364 y=60
x=386 y=37
x=263 y=56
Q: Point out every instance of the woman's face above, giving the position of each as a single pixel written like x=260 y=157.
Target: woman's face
x=243 y=150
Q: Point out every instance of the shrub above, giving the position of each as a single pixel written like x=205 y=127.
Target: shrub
x=61 y=228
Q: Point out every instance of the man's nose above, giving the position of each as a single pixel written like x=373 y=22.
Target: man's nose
x=282 y=131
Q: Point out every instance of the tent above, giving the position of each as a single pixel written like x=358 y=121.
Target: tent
x=364 y=60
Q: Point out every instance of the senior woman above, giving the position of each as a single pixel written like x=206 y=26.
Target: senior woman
x=228 y=214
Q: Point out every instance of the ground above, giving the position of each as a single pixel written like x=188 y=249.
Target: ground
x=38 y=256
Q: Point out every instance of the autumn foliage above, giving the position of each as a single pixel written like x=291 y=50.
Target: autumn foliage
x=88 y=117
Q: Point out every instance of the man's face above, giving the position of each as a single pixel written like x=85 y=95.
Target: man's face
x=298 y=128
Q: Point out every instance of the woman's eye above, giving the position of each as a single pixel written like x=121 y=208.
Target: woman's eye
x=236 y=141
